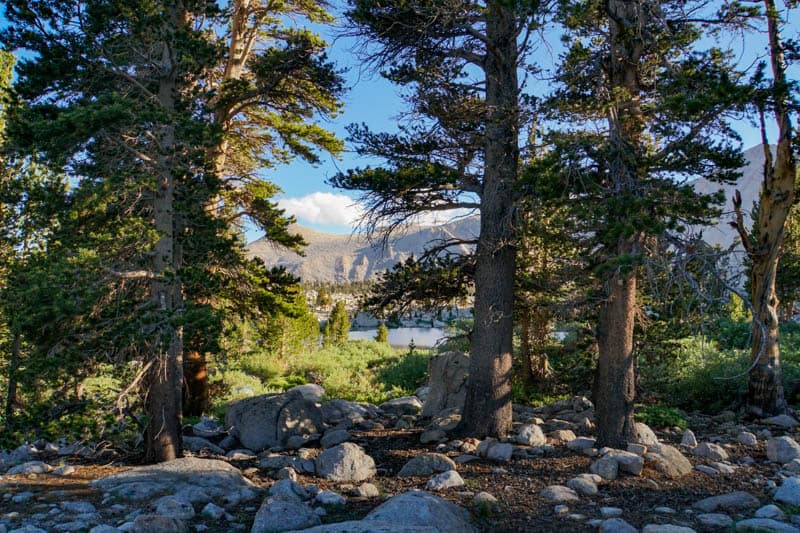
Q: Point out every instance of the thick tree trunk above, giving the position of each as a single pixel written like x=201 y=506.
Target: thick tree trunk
x=615 y=379
x=764 y=387
x=195 y=372
x=165 y=380
x=13 y=367
x=535 y=329
x=487 y=409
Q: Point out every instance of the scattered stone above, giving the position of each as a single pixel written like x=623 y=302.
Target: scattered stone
x=64 y=470
x=765 y=524
x=562 y=435
x=208 y=427
x=784 y=421
x=664 y=510
x=281 y=514
x=334 y=437
x=445 y=480
x=711 y=451
x=732 y=501
x=367 y=490
x=638 y=449
x=770 y=511
x=309 y=391
x=78 y=507
x=583 y=486
x=561 y=509
x=706 y=470
x=628 y=462
x=723 y=468
x=716 y=520
x=30 y=467
x=435 y=435
x=329 y=498
x=559 y=493
x=610 y=512
x=669 y=461
x=581 y=443
x=466 y=458
x=345 y=462
x=199 y=444
x=417 y=508
x=447 y=382
x=427 y=464
x=642 y=434
x=405 y=405
x=22 y=497
x=267 y=421
x=150 y=523
x=782 y=449
x=747 y=439
x=605 y=467
x=104 y=528
x=688 y=440
x=531 y=435
x=616 y=525
x=500 y=452
x=789 y=491
x=212 y=511
x=484 y=498
x=666 y=528
x=288 y=489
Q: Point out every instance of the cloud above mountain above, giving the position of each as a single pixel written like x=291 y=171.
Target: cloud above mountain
x=324 y=208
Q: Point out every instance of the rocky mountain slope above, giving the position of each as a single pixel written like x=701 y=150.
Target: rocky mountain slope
x=340 y=258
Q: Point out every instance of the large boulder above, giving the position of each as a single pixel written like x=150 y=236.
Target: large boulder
x=789 y=492
x=644 y=435
x=668 y=460
x=345 y=462
x=448 y=378
x=782 y=450
x=267 y=421
x=422 y=509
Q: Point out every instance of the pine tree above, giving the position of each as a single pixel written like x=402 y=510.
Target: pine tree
x=382 y=335
x=337 y=328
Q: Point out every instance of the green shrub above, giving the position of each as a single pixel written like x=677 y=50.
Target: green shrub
x=661 y=416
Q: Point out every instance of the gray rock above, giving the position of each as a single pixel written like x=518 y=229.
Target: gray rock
x=345 y=462
x=628 y=462
x=784 y=421
x=610 y=512
x=706 y=470
x=605 y=467
x=336 y=411
x=208 y=427
x=581 y=443
x=280 y=514
x=212 y=511
x=445 y=480
x=267 y=421
x=688 y=440
x=104 y=528
x=562 y=435
x=732 y=501
x=447 y=383
x=309 y=391
x=638 y=449
x=427 y=464
x=770 y=511
x=158 y=524
x=616 y=525
x=433 y=435
x=583 y=486
x=22 y=497
x=75 y=525
x=559 y=494
x=531 y=435
x=174 y=507
x=198 y=444
x=484 y=498
x=715 y=520
x=666 y=528
x=31 y=467
x=334 y=437
x=669 y=461
x=789 y=491
x=288 y=489
x=329 y=498
x=367 y=490
x=664 y=510
x=711 y=451
x=500 y=452
x=78 y=507
x=405 y=405
x=642 y=434
x=782 y=450
x=242 y=454
x=747 y=439
x=214 y=477
x=64 y=470
x=363 y=526
x=765 y=524
x=416 y=508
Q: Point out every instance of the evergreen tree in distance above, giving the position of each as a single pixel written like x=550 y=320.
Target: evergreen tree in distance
x=383 y=334
x=337 y=328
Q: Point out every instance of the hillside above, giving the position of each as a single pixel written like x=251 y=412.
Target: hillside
x=339 y=258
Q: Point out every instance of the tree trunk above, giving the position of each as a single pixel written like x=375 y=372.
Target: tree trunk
x=195 y=372
x=615 y=379
x=487 y=409
x=536 y=326
x=165 y=379
x=764 y=387
x=525 y=350
x=13 y=366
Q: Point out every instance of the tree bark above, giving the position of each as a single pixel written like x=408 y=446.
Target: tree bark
x=165 y=380
x=13 y=366
x=765 y=394
x=536 y=326
x=195 y=371
x=487 y=409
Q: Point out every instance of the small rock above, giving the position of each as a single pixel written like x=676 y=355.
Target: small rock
x=427 y=464
x=433 y=435
x=711 y=451
x=407 y=405
x=198 y=444
x=279 y=514
x=664 y=510
x=688 y=440
x=732 y=501
x=789 y=491
x=563 y=435
x=581 y=443
x=158 y=524
x=747 y=439
x=345 y=462
x=559 y=493
x=715 y=520
x=583 y=486
x=706 y=470
x=531 y=435
x=723 y=468
x=784 y=421
x=22 y=497
x=500 y=452
x=605 y=467
x=669 y=461
x=175 y=508
x=770 y=511
x=765 y=524
x=329 y=498
x=64 y=470
x=666 y=528
x=644 y=435
x=289 y=489
x=31 y=467
x=484 y=498
x=78 y=507
x=367 y=490
x=638 y=449
x=616 y=525
x=445 y=480
x=212 y=511
x=628 y=462
x=782 y=449
x=561 y=509
x=610 y=512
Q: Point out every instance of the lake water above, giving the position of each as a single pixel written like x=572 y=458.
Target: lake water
x=423 y=337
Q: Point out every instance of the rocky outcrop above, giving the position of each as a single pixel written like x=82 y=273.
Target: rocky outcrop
x=447 y=383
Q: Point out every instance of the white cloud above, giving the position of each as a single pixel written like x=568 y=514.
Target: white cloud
x=324 y=208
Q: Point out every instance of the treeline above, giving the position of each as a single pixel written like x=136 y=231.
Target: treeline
x=136 y=135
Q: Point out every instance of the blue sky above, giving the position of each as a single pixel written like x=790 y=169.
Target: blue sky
x=374 y=101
